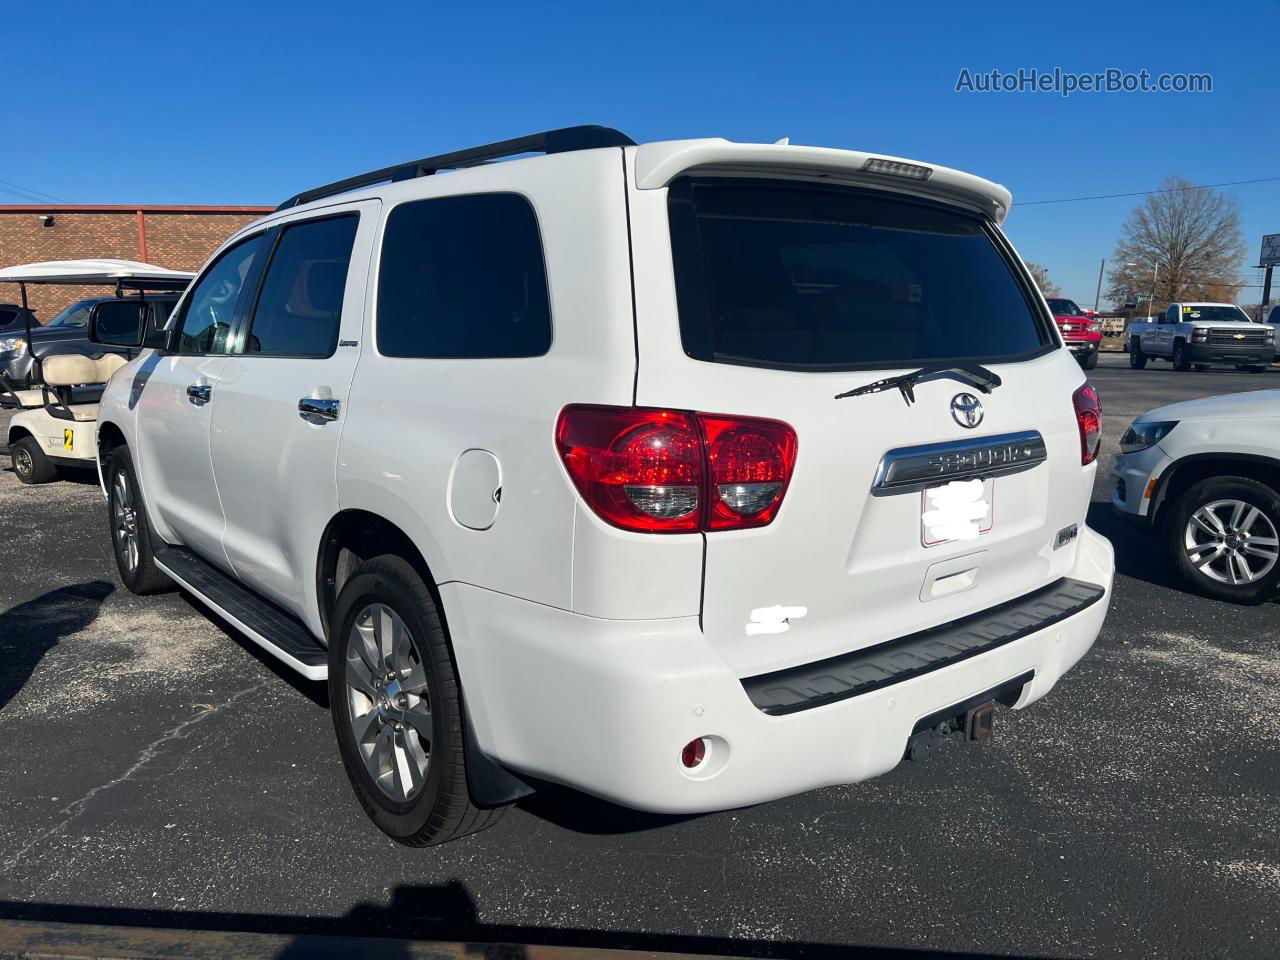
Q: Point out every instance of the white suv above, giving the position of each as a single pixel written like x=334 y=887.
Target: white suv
x=592 y=467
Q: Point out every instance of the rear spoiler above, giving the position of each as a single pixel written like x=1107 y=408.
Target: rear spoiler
x=657 y=164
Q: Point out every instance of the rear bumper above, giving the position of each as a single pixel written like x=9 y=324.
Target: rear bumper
x=605 y=706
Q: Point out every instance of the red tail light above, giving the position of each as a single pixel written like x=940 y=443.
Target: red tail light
x=1089 y=420
x=751 y=463
x=667 y=471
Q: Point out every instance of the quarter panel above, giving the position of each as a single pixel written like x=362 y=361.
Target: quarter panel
x=408 y=420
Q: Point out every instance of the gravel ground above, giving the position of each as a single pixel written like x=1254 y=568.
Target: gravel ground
x=157 y=769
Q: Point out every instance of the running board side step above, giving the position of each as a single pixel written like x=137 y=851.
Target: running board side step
x=279 y=633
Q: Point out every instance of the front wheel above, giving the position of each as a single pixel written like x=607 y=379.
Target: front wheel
x=130 y=531
x=1181 y=357
x=1222 y=536
x=1090 y=361
x=397 y=707
x=30 y=464
x=1137 y=359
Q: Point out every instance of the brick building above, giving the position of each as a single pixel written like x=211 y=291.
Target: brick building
x=178 y=237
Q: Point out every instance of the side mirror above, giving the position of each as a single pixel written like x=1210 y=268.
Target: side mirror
x=117 y=323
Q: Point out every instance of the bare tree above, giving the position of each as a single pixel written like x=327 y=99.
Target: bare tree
x=1192 y=235
x=1040 y=275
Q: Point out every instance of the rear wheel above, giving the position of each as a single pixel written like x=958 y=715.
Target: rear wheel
x=397 y=708
x=130 y=531
x=1137 y=359
x=1181 y=356
x=30 y=464
x=1223 y=536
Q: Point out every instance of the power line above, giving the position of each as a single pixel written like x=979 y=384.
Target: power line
x=26 y=193
x=1145 y=193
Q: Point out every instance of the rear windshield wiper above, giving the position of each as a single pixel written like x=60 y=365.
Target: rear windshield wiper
x=970 y=373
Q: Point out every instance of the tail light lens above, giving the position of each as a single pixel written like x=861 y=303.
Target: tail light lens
x=750 y=465
x=668 y=471
x=1089 y=420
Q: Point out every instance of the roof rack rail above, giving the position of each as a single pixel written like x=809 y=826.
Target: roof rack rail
x=564 y=140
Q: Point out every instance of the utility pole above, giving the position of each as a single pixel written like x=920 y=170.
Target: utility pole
x=1097 y=294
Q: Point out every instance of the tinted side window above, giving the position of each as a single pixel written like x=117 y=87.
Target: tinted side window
x=463 y=277
x=300 y=306
x=206 y=325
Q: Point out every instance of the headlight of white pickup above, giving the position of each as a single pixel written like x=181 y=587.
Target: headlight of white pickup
x=13 y=343
x=1141 y=435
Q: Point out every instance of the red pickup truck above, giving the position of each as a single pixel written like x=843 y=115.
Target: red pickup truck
x=1081 y=331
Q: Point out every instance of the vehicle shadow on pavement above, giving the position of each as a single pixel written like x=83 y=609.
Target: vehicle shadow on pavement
x=31 y=629
x=418 y=921
x=581 y=813
x=1138 y=553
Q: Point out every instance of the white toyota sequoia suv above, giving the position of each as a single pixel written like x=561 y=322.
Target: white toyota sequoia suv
x=690 y=475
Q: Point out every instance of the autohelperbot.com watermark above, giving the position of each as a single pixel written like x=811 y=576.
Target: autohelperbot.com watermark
x=1066 y=82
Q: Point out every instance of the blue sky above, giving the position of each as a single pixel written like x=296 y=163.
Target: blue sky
x=231 y=102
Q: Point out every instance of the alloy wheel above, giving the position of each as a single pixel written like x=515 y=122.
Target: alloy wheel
x=1231 y=541
x=389 y=706
x=124 y=520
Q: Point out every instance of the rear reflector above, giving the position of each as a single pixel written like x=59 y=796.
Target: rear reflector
x=1089 y=419
x=694 y=752
x=669 y=471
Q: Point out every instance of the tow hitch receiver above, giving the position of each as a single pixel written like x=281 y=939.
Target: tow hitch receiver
x=979 y=721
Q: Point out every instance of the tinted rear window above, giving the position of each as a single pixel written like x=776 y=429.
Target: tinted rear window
x=463 y=277
x=791 y=275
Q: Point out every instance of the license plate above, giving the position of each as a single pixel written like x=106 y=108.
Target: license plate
x=959 y=510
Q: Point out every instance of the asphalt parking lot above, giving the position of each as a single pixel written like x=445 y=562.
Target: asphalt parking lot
x=156 y=769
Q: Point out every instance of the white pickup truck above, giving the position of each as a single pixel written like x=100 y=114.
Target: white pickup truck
x=1200 y=334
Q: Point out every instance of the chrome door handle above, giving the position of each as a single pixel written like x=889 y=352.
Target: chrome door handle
x=318 y=408
x=199 y=393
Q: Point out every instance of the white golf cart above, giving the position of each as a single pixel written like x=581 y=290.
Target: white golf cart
x=56 y=403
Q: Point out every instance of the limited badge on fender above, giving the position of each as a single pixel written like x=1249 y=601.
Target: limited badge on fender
x=68 y=439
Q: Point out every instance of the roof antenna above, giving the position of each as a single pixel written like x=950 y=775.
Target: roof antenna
x=784 y=142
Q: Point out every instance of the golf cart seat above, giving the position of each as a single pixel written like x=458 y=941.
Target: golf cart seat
x=12 y=398
x=66 y=376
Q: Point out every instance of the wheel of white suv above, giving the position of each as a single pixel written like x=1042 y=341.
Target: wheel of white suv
x=1222 y=534
x=396 y=706
x=130 y=531
x=30 y=465
x=1137 y=359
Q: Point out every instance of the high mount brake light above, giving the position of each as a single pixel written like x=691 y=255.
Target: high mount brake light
x=670 y=471
x=1089 y=419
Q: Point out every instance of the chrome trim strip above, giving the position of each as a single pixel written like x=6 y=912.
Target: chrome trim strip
x=908 y=469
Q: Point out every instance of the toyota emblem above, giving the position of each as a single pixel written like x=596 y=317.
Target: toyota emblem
x=966 y=410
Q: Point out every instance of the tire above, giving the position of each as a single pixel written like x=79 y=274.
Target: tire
x=1090 y=361
x=1137 y=359
x=130 y=529
x=1181 y=357
x=434 y=806
x=1251 y=537
x=30 y=465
